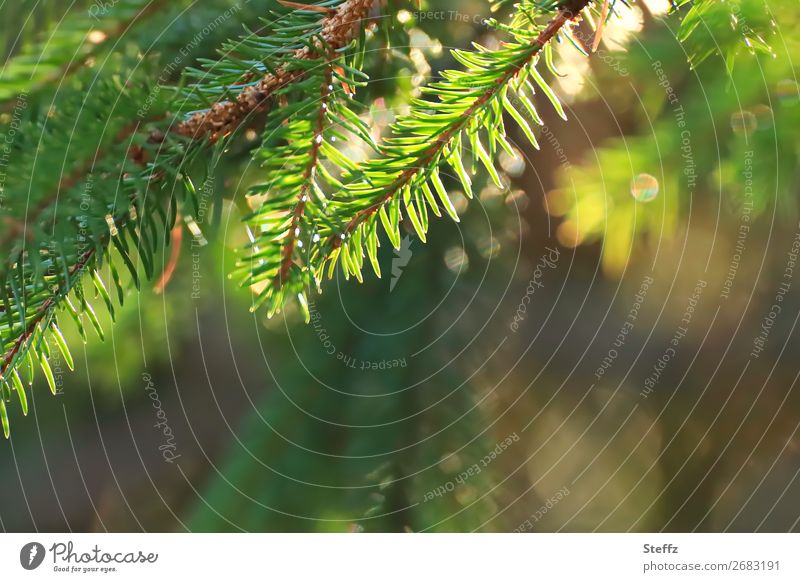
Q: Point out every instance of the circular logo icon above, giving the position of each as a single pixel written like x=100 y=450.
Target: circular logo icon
x=31 y=555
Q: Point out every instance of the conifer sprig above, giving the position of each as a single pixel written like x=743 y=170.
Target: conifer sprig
x=119 y=194
x=444 y=121
x=301 y=163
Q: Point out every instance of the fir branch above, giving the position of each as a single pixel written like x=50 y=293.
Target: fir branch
x=296 y=143
x=308 y=176
x=468 y=102
x=296 y=156
x=31 y=272
x=49 y=304
x=47 y=293
x=60 y=241
x=443 y=139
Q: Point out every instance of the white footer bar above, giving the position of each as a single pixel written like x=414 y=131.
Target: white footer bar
x=390 y=557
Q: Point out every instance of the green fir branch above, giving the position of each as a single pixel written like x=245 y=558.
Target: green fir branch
x=404 y=180
x=116 y=202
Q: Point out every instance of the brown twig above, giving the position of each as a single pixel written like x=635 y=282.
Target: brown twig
x=222 y=118
x=176 y=236
x=566 y=14
x=598 y=36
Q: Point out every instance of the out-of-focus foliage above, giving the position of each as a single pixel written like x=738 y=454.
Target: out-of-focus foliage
x=750 y=110
x=727 y=28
